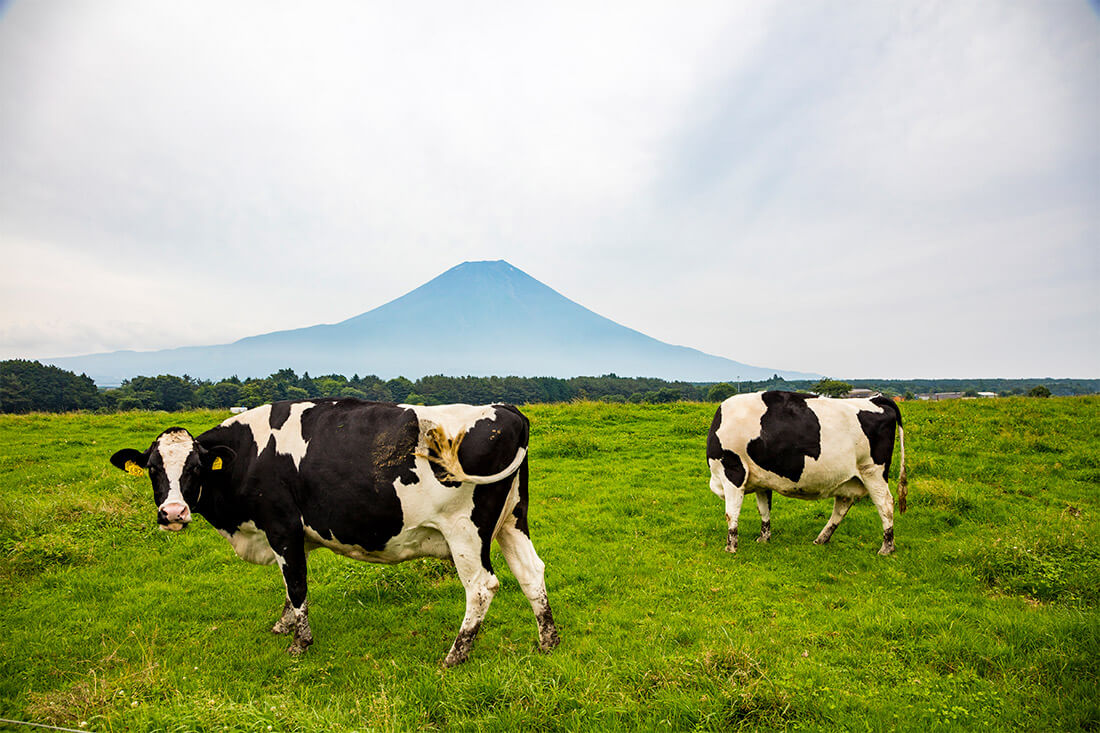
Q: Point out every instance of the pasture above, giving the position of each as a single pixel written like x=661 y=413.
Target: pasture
x=987 y=616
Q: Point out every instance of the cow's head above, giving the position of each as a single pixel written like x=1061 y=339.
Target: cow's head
x=178 y=465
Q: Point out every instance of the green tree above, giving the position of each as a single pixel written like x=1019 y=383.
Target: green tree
x=221 y=395
x=26 y=386
x=1039 y=390
x=831 y=388
x=14 y=395
x=721 y=392
x=256 y=392
x=399 y=389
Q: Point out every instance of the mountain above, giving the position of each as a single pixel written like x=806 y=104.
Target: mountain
x=478 y=318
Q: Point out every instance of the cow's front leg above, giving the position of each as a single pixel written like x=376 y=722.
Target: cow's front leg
x=735 y=496
x=764 y=505
x=480 y=583
x=841 y=505
x=292 y=561
x=285 y=624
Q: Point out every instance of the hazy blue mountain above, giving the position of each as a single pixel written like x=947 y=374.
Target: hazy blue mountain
x=479 y=318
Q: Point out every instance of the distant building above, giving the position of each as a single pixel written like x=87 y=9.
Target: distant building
x=237 y=410
x=987 y=394
x=864 y=393
x=937 y=396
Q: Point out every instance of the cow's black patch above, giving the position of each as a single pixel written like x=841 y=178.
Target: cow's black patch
x=491 y=444
x=489 y=447
x=879 y=427
x=733 y=468
x=520 y=512
x=280 y=412
x=489 y=502
x=714 y=446
x=358 y=451
x=789 y=433
x=732 y=465
x=343 y=487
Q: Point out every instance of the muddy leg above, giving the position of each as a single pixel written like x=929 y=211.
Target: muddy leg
x=841 y=505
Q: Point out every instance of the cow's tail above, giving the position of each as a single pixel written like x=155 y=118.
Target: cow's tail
x=443 y=451
x=903 y=482
x=888 y=405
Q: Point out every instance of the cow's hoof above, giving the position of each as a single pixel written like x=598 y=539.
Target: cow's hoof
x=731 y=549
x=549 y=640
x=299 y=647
x=281 y=628
x=821 y=540
x=453 y=660
x=764 y=538
x=886 y=550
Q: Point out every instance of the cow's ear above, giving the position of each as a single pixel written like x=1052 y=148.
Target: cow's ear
x=131 y=461
x=218 y=458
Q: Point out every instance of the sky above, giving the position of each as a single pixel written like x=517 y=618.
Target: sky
x=859 y=189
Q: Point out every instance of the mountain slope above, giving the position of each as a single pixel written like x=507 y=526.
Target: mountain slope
x=478 y=318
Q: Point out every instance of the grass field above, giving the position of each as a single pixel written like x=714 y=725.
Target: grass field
x=987 y=616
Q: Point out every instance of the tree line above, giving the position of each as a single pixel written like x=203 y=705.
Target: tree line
x=28 y=386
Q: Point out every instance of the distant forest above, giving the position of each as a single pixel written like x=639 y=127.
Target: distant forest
x=28 y=386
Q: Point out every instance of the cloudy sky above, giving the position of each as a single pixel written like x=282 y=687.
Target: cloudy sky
x=858 y=189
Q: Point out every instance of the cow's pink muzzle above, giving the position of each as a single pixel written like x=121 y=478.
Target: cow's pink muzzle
x=174 y=517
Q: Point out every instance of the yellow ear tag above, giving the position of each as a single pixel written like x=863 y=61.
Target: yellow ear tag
x=134 y=469
x=216 y=465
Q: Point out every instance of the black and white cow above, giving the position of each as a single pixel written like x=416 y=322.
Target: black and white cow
x=809 y=448
x=372 y=481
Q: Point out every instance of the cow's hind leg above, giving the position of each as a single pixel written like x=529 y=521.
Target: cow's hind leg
x=764 y=505
x=529 y=570
x=292 y=561
x=841 y=505
x=879 y=490
x=480 y=583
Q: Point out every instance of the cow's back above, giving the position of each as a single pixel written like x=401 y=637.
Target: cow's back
x=333 y=465
x=356 y=474
x=788 y=439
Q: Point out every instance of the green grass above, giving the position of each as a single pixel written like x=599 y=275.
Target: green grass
x=986 y=616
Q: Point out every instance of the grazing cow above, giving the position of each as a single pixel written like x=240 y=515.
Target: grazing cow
x=372 y=481
x=808 y=448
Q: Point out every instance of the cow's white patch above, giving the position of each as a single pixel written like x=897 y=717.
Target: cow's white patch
x=174 y=449
x=250 y=543
x=288 y=438
x=454 y=419
x=409 y=543
x=844 y=448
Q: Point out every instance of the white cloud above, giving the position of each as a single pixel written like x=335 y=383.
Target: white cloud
x=724 y=177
